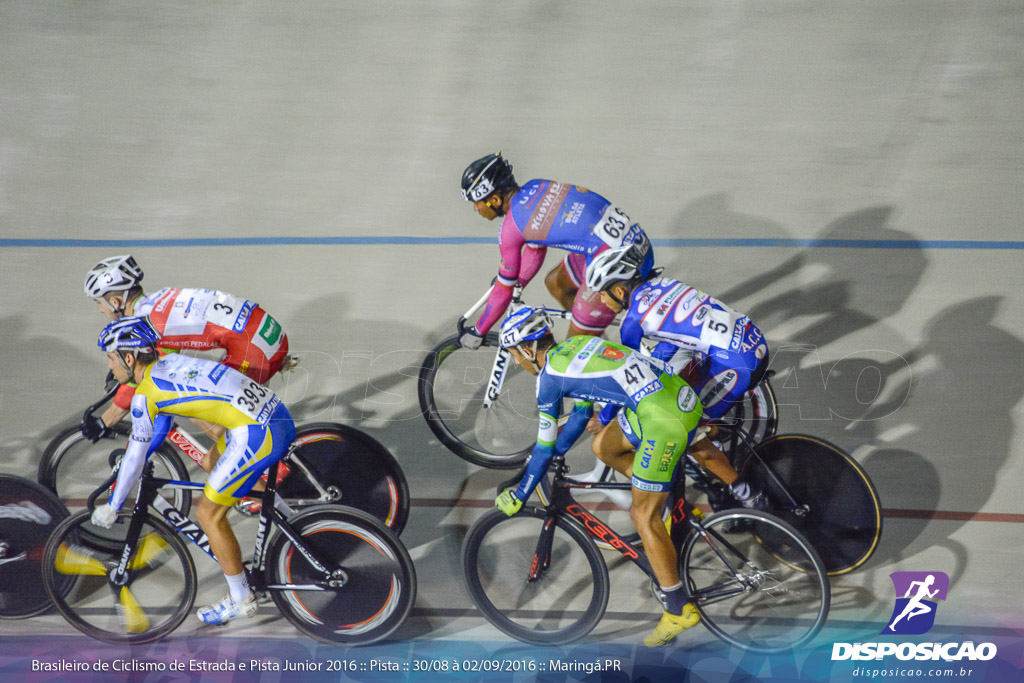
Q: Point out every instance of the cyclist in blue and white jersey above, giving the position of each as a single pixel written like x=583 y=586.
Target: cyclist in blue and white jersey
x=258 y=431
x=719 y=351
x=661 y=414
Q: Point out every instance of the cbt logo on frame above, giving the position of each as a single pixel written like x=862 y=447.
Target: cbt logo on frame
x=917 y=594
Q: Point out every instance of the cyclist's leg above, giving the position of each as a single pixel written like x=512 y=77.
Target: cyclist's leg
x=250 y=450
x=725 y=382
x=665 y=422
x=565 y=279
x=614 y=446
x=646 y=516
x=215 y=432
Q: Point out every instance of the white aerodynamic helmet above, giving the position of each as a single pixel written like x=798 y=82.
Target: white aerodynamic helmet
x=525 y=324
x=618 y=265
x=114 y=274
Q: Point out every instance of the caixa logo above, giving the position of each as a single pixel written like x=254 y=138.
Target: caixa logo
x=917 y=596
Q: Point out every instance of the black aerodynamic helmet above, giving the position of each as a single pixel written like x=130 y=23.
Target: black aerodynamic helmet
x=485 y=176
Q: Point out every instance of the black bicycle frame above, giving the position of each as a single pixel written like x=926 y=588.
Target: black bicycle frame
x=562 y=502
x=149 y=497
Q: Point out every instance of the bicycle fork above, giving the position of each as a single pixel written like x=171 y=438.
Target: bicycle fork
x=542 y=554
x=497 y=377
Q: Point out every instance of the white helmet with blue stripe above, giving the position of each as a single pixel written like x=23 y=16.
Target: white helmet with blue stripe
x=525 y=324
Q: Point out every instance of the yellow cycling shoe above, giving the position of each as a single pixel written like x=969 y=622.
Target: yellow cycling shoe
x=672 y=625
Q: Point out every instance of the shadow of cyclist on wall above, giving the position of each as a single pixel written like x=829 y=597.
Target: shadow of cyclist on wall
x=960 y=420
x=852 y=288
x=25 y=428
x=812 y=299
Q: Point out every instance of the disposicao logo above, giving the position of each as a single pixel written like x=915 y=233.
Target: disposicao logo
x=917 y=596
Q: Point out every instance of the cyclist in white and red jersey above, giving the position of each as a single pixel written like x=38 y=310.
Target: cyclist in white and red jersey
x=538 y=215
x=198 y=319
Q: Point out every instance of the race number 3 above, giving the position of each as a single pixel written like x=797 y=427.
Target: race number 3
x=226 y=311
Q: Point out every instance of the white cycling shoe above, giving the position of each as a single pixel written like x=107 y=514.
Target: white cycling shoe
x=227 y=609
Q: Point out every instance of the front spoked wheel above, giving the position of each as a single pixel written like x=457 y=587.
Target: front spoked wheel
x=373 y=583
x=73 y=467
x=824 y=493
x=155 y=596
x=760 y=585
x=543 y=588
x=29 y=514
x=453 y=383
x=334 y=463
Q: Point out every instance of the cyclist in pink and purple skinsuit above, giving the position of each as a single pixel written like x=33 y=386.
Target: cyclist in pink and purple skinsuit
x=538 y=215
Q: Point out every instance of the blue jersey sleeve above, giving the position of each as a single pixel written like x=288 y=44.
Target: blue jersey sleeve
x=664 y=351
x=630 y=331
x=574 y=426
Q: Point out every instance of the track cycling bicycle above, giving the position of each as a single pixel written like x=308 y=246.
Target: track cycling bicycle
x=328 y=463
x=539 y=577
x=482 y=406
x=813 y=485
x=28 y=514
x=338 y=574
x=810 y=483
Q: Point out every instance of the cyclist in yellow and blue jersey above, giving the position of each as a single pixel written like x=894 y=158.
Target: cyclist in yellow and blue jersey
x=258 y=427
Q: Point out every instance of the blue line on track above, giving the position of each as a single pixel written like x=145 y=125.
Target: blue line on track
x=439 y=241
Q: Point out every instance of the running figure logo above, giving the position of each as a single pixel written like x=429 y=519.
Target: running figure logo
x=914 y=612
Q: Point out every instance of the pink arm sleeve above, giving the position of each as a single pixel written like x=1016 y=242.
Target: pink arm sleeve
x=500 y=297
x=510 y=245
x=532 y=260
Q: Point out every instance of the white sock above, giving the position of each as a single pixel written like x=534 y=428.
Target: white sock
x=239 y=586
x=740 y=489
